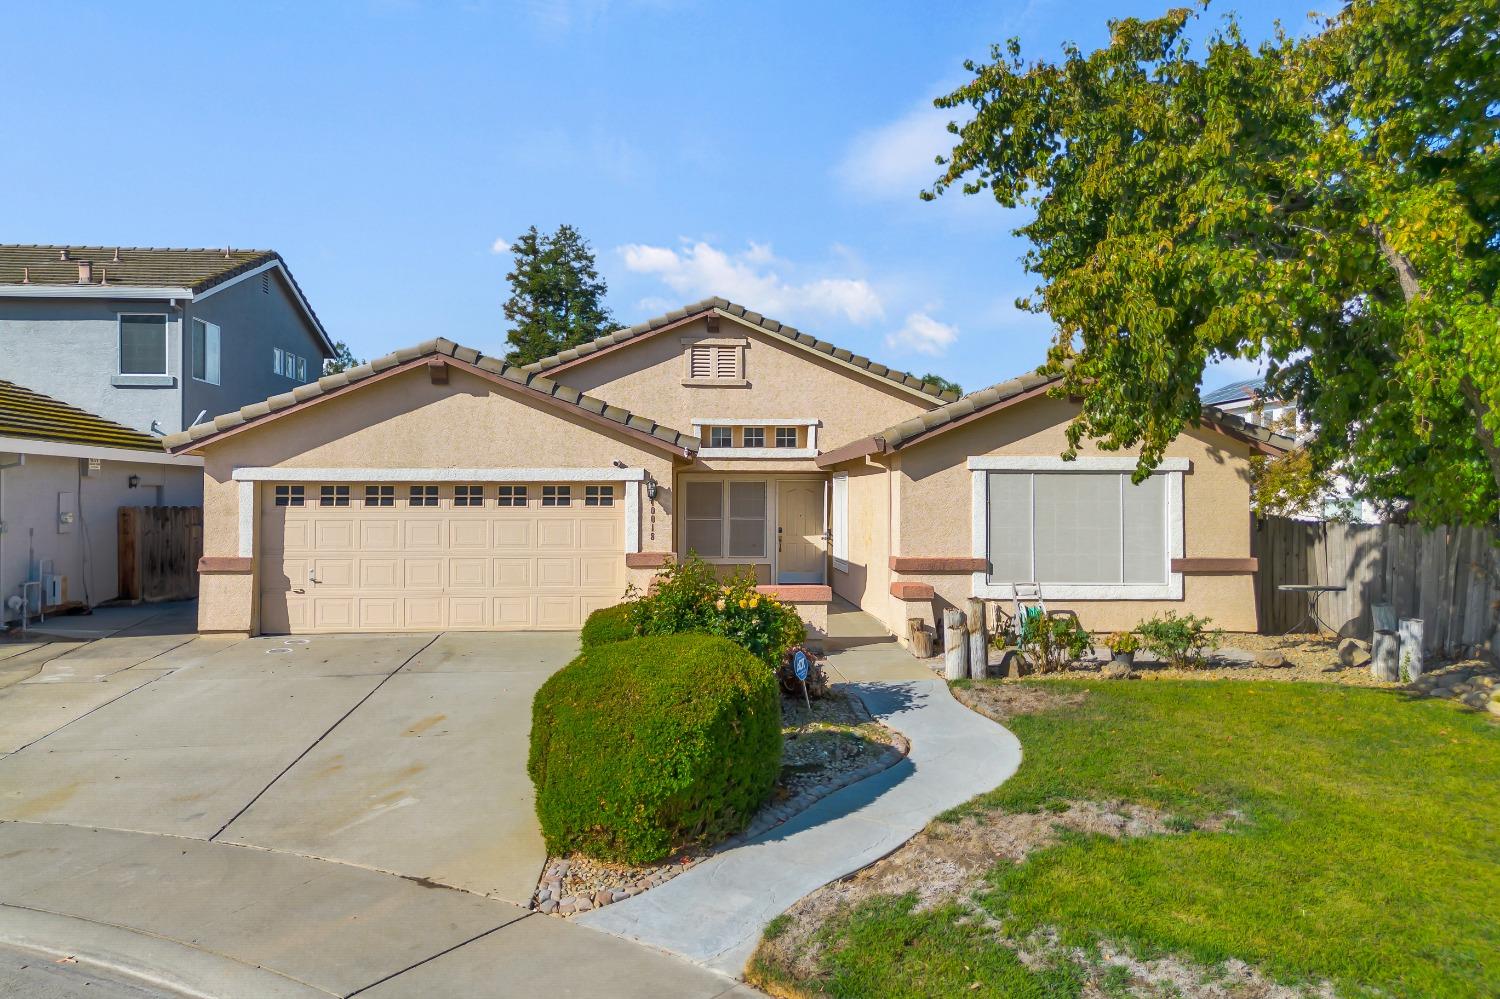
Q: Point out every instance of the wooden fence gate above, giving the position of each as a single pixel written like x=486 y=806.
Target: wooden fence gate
x=1448 y=577
x=159 y=548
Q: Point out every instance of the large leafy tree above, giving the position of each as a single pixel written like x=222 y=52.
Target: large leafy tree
x=556 y=295
x=1328 y=203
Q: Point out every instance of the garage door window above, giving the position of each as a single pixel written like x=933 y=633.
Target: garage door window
x=333 y=496
x=288 y=495
x=512 y=496
x=422 y=496
x=468 y=495
x=598 y=495
x=380 y=495
x=557 y=496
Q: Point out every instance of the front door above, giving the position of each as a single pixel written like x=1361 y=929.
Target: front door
x=799 y=531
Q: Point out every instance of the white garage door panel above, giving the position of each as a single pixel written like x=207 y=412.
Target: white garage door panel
x=404 y=568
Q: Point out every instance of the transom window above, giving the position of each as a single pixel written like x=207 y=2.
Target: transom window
x=422 y=496
x=380 y=495
x=333 y=496
x=725 y=519
x=1077 y=527
x=289 y=496
x=143 y=344
x=468 y=495
x=721 y=437
x=786 y=436
x=754 y=436
x=557 y=496
x=511 y=496
x=598 y=495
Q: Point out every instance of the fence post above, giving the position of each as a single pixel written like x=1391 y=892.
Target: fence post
x=955 y=645
x=128 y=552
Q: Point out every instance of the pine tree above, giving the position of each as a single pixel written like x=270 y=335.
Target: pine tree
x=557 y=295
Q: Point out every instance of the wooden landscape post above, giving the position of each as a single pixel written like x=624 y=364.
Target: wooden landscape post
x=1411 y=649
x=955 y=645
x=917 y=635
x=979 y=641
x=1384 y=657
x=1384 y=618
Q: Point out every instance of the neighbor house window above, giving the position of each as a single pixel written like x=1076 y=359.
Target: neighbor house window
x=1077 y=528
x=754 y=436
x=598 y=495
x=468 y=495
x=333 y=496
x=288 y=365
x=786 y=436
x=422 y=496
x=143 y=345
x=721 y=437
x=206 y=351
x=380 y=495
x=289 y=496
x=557 y=496
x=725 y=519
x=512 y=496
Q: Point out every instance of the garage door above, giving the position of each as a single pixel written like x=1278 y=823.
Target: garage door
x=424 y=557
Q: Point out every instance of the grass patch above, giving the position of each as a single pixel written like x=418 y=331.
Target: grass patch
x=1363 y=850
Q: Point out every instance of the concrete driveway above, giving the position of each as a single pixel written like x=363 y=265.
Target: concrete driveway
x=336 y=815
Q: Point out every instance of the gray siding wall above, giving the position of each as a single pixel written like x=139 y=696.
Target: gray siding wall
x=252 y=322
x=69 y=349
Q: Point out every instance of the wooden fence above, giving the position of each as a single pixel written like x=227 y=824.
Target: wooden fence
x=159 y=548
x=1448 y=577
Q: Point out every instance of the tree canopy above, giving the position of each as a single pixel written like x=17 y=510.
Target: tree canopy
x=1329 y=204
x=942 y=383
x=342 y=360
x=556 y=295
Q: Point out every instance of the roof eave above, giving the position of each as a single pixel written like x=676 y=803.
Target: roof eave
x=94 y=291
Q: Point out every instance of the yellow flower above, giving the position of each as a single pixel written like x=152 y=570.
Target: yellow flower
x=755 y=601
x=742 y=603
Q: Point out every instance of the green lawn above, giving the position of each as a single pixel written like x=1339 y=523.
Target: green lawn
x=1368 y=854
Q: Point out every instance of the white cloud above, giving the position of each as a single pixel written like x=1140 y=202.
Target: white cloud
x=755 y=278
x=896 y=159
x=923 y=334
x=501 y=245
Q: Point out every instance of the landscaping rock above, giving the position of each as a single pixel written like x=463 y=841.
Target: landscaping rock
x=1353 y=652
x=1494 y=705
x=1115 y=671
x=1270 y=660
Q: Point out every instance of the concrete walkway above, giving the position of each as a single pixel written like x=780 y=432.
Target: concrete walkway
x=715 y=913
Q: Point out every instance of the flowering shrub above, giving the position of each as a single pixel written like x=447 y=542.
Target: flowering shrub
x=690 y=597
x=1182 y=641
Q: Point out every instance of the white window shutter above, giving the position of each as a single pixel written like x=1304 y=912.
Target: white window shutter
x=841 y=522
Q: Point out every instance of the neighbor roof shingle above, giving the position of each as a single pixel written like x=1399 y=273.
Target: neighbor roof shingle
x=754 y=319
x=28 y=414
x=130 y=266
x=564 y=395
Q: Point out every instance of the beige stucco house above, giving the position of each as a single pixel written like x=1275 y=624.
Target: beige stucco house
x=437 y=488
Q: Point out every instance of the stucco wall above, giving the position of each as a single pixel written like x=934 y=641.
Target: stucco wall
x=405 y=421
x=784 y=381
x=868 y=579
x=935 y=500
x=87 y=553
x=69 y=349
x=252 y=321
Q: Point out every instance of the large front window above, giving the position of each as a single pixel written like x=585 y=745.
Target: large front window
x=1077 y=527
x=725 y=518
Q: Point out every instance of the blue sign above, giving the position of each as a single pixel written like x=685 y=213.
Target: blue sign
x=800 y=664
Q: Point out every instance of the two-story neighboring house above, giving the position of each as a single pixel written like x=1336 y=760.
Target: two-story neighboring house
x=437 y=488
x=152 y=338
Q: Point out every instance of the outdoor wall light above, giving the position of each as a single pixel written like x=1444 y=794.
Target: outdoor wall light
x=650 y=488
x=133 y=481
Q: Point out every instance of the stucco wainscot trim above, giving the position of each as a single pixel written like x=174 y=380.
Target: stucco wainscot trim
x=248 y=477
x=1173 y=468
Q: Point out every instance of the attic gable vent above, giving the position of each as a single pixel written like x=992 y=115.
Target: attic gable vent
x=713 y=362
x=265 y=284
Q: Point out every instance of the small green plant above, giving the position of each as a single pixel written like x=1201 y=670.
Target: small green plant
x=1406 y=666
x=1051 y=644
x=689 y=596
x=1122 y=642
x=1181 y=641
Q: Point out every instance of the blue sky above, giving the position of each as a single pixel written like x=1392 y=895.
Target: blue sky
x=768 y=152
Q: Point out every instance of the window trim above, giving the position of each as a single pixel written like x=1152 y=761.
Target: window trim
x=214 y=376
x=981 y=466
x=166 y=342
x=768 y=536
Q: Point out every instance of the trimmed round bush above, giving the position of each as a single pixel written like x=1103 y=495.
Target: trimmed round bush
x=644 y=746
x=606 y=625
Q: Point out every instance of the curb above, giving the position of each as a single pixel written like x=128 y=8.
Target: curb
x=151 y=960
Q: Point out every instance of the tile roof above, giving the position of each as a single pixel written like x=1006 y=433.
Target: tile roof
x=742 y=314
x=24 y=413
x=256 y=412
x=1248 y=388
x=129 y=266
x=909 y=431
